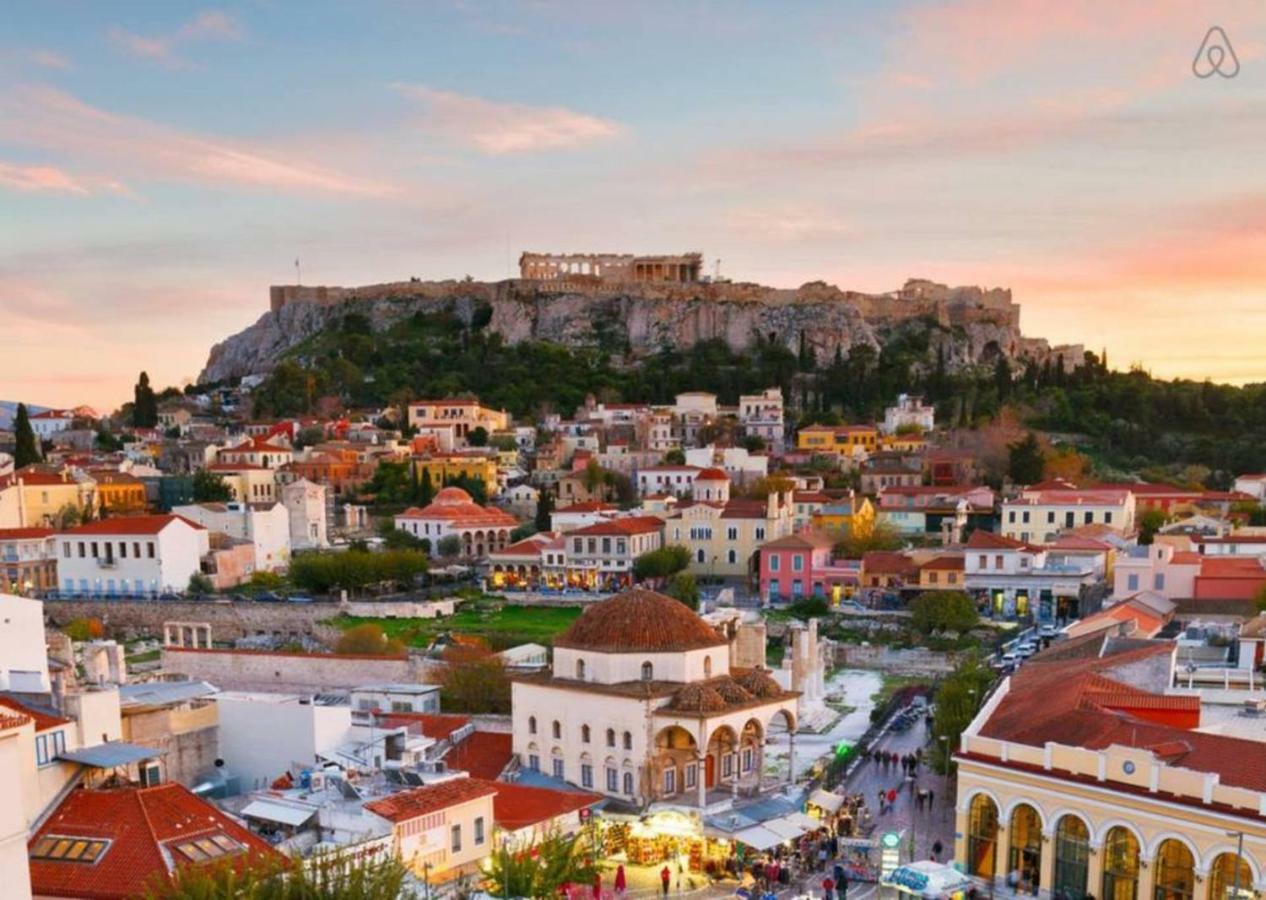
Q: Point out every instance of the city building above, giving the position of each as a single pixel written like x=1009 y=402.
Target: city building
x=801 y=565
x=762 y=415
x=474 y=465
x=266 y=451
x=453 y=420
x=307 y=506
x=602 y=555
x=1041 y=515
x=1082 y=775
x=132 y=556
x=41 y=497
x=119 y=493
x=28 y=560
x=248 y=483
x=641 y=704
x=1159 y=567
x=724 y=537
x=848 y=441
x=909 y=413
x=266 y=526
x=440 y=831
x=667 y=479
x=481 y=529
x=51 y=422
x=1011 y=578
x=23 y=653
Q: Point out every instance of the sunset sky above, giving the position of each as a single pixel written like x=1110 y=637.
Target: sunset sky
x=162 y=163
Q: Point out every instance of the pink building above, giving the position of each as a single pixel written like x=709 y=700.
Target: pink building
x=801 y=565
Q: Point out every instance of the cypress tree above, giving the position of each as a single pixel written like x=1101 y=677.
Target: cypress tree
x=144 y=404
x=27 y=450
x=544 y=507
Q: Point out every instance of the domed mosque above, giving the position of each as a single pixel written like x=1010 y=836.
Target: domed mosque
x=642 y=705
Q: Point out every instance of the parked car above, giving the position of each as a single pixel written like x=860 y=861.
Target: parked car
x=299 y=599
x=850 y=605
x=269 y=597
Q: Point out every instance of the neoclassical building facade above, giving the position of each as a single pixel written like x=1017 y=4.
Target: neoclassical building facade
x=1075 y=781
x=642 y=705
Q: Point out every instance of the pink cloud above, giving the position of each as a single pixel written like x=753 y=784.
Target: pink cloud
x=137 y=149
x=498 y=129
x=49 y=179
x=210 y=25
x=50 y=59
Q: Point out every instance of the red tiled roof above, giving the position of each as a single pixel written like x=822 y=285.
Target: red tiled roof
x=949 y=563
x=801 y=540
x=43 y=721
x=636 y=621
x=484 y=754
x=454 y=505
x=988 y=540
x=31 y=476
x=888 y=562
x=809 y=497
x=519 y=806
x=234 y=467
x=143 y=825
x=132 y=525
x=745 y=509
x=625 y=526
x=588 y=506
x=406 y=805
x=712 y=474
x=22 y=534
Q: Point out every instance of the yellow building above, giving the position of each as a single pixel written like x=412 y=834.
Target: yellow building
x=1083 y=776
x=847 y=515
x=838 y=440
x=723 y=538
x=119 y=493
x=445 y=467
x=249 y=483
x=903 y=443
x=42 y=496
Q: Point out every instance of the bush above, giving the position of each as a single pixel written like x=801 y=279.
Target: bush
x=934 y=611
x=368 y=640
x=810 y=608
x=662 y=563
x=449 y=546
x=84 y=629
x=200 y=584
x=352 y=570
x=683 y=587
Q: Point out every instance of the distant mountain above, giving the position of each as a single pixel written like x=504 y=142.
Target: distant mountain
x=9 y=409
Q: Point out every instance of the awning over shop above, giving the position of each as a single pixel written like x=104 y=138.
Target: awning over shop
x=808 y=823
x=786 y=830
x=290 y=814
x=826 y=800
x=759 y=838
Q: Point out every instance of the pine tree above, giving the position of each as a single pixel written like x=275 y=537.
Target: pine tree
x=144 y=404
x=544 y=507
x=27 y=450
x=1002 y=377
x=1026 y=461
x=426 y=490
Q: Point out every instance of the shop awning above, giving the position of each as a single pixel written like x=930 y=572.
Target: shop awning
x=826 y=800
x=785 y=828
x=808 y=823
x=758 y=837
x=281 y=813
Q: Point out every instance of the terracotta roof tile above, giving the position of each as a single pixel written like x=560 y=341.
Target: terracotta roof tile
x=406 y=805
x=484 y=754
x=639 y=620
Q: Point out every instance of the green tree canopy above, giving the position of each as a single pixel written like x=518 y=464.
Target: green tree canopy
x=27 y=447
x=683 y=587
x=210 y=487
x=662 y=563
x=934 y=611
x=144 y=404
x=541 y=870
x=544 y=509
x=1026 y=462
x=368 y=639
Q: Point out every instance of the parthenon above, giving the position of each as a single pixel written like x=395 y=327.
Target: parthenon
x=611 y=267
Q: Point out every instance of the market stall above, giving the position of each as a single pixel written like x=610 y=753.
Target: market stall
x=928 y=879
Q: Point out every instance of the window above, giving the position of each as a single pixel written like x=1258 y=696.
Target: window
x=648 y=671
x=731 y=533
x=48 y=745
x=628 y=740
x=558 y=729
x=586 y=775
x=997 y=561
x=983 y=562
x=699 y=557
x=1107 y=517
x=707 y=667
x=531 y=724
x=1089 y=517
x=122 y=549
x=580 y=670
x=457 y=839
x=760 y=532
x=610 y=737
x=628 y=782
x=1158 y=581
x=727 y=765
x=1011 y=517
x=1050 y=517
x=149 y=549
x=66 y=549
x=1025 y=517
x=670 y=781
x=773 y=562
x=534 y=762
x=691 y=776
x=479 y=830
x=584 y=734
x=1132 y=581
x=797 y=563
x=558 y=768
x=732 y=556
x=747 y=759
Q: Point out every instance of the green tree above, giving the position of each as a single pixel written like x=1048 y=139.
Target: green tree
x=544 y=509
x=27 y=448
x=426 y=490
x=656 y=565
x=313 y=434
x=144 y=404
x=1259 y=599
x=337 y=875
x=683 y=587
x=553 y=860
x=958 y=698
x=474 y=681
x=210 y=487
x=934 y=611
x=449 y=546
x=368 y=639
x=478 y=436
x=675 y=457
x=1150 y=522
x=1026 y=462
x=200 y=584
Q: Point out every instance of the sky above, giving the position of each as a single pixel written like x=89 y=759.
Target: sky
x=163 y=163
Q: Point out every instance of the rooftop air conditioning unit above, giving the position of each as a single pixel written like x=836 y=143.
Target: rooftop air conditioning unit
x=1255 y=707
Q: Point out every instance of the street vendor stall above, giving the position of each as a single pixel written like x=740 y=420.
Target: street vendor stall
x=928 y=879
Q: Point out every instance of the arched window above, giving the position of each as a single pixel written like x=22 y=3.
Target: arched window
x=1072 y=857
x=648 y=671
x=982 y=837
x=1120 y=865
x=707 y=667
x=1175 y=871
x=628 y=740
x=531 y=724
x=1025 y=855
x=732 y=556
x=628 y=782
x=584 y=734
x=558 y=729
x=1223 y=880
x=699 y=557
x=580 y=670
x=610 y=737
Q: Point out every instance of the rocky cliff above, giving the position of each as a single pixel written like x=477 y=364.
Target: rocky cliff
x=968 y=324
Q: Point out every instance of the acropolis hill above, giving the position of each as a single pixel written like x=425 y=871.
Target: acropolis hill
x=652 y=302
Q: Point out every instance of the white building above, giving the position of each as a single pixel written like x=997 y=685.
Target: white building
x=910 y=412
x=265 y=525
x=264 y=735
x=481 y=529
x=267 y=452
x=14 y=736
x=306 y=504
x=1017 y=579
x=51 y=421
x=23 y=655
x=602 y=555
x=132 y=555
x=641 y=704
x=762 y=415
x=736 y=462
x=452 y=421
x=676 y=480
x=1253 y=485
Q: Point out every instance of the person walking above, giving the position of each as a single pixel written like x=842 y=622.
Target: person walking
x=931 y=796
x=936 y=850
x=621 y=882
x=828 y=888
x=892 y=797
x=665 y=876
